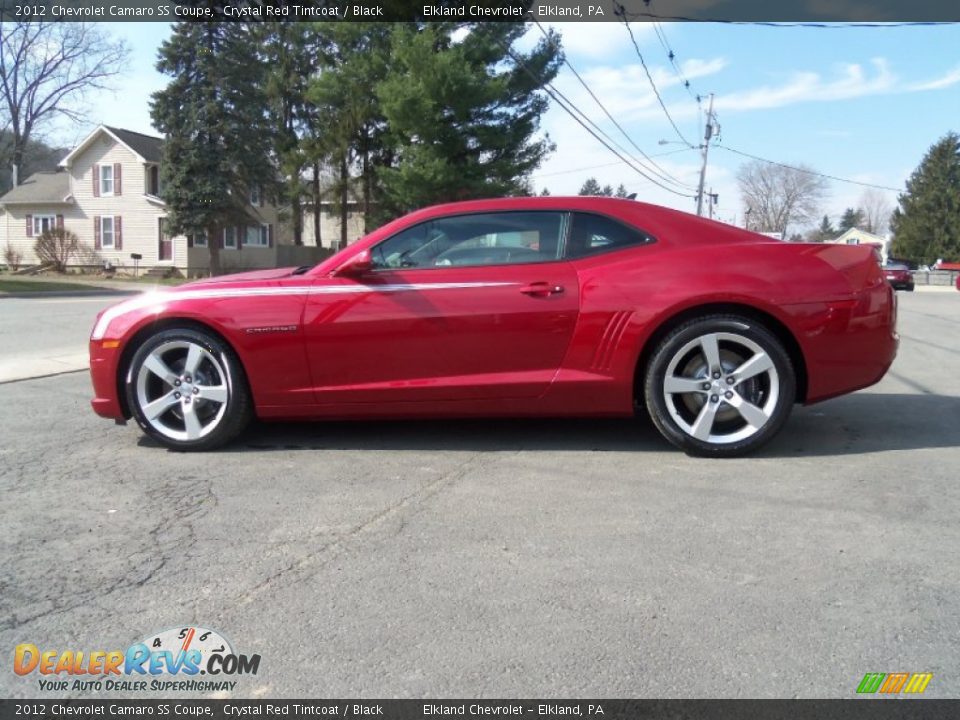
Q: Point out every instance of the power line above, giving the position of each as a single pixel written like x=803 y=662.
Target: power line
x=672 y=57
x=604 y=165
x=556 y=95
x=809 y=172
x=619 y=10
x=656 y=169
x=651 y=17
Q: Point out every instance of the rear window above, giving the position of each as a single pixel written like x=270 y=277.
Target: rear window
x=593 y=234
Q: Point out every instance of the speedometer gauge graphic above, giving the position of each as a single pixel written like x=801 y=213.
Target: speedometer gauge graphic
x=184 y=639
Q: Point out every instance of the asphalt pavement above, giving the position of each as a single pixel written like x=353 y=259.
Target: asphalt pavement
x=495 y=559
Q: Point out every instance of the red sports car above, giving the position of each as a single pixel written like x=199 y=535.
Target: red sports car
x=899 y=276
x=544 y=306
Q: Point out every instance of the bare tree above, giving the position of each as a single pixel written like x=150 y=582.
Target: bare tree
x=777 y=196
x=46 y=69
x=876 y=209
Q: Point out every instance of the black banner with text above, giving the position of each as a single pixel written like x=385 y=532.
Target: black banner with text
x=796 y=11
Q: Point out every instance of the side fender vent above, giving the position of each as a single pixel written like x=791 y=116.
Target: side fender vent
x=612 y=332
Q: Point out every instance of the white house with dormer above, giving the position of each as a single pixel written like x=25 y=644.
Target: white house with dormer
x=107 y=191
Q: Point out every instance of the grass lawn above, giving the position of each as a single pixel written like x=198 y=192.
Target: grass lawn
x=27 y=286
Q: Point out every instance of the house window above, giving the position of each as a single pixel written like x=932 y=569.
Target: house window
x=256 y=236
x=256 y=193
x=42 y=223
x=853 y=241
x=106 y=232
x=200 y=239
x=106 y=179
x=154 y=181
x=230 y=237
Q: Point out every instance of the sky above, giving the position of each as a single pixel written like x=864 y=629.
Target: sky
x=857 y=103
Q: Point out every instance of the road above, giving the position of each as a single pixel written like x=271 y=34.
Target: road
x=46 y=335
x=497 y=559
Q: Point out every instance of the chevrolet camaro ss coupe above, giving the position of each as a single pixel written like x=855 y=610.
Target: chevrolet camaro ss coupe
x=550 y=306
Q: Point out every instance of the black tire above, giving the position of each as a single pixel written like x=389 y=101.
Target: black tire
x=217 y=418
x=677 y=415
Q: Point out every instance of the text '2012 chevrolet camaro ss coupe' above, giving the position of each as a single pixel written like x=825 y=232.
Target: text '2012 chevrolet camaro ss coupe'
x=589 y=307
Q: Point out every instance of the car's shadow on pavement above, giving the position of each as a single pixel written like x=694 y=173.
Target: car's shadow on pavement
x=860 y=423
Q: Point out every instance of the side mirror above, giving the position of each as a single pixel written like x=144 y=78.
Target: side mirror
x=357 y=265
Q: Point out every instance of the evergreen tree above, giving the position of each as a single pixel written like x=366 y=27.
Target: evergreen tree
x=289 y=55
x=621 y=192
x=850 y=219
x=607 y=191
x=463 y=116
x=351 y=128
x=545 y=192
x=212 y=114
x=825 y=232
x=590 y=187
x=926 y=225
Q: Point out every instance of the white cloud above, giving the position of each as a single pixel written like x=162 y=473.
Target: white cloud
x=851 y=82
x=951 y=78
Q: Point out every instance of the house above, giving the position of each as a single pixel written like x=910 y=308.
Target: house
x=330 y=236
x=107 y=191
x=856 y=236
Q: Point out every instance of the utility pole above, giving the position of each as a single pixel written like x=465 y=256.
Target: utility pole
x=710 y=130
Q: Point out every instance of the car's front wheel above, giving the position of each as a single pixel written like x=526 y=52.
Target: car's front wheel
x=720 y=386
x=187 y=390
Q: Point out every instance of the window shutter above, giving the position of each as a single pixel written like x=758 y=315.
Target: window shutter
x=96 y=181
x=116 y=179
x=190 y=240
x=241 y=234
x=29 y=225
x=118 y=232
x=96 y=233
x=60 y=222
x=270 y=235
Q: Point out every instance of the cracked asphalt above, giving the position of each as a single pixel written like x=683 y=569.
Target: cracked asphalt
x=504 y=558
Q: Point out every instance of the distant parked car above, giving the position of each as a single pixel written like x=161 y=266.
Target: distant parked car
x=898 y=275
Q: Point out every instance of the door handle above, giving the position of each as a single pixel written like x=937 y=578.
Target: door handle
x=541 y=289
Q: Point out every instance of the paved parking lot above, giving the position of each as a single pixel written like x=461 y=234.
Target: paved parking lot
x=492 y=559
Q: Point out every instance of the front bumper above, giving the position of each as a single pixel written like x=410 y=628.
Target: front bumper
x=104 y=362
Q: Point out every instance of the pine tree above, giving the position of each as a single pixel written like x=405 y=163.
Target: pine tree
x=289 y=56
x=463 y=116
x=825 y=232
x=607 y=191
x=350 y=129
x=212 y=114
x=591 y=187
x=621 y=192
x=850 y=219
x=926 y=225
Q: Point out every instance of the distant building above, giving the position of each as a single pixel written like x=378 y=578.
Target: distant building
x=856 y=236
x=107 y=191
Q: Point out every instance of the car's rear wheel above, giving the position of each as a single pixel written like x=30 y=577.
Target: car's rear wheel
x=720 y=386
x=187 y=390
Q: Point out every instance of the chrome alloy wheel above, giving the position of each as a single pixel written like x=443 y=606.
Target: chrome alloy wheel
x=182 y=390
x=721 y=388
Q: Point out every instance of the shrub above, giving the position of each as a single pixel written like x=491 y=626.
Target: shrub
x=57 y=246
x=12 y=257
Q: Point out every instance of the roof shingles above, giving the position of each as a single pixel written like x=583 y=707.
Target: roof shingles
x=41 y=187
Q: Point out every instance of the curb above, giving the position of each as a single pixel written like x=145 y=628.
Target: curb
x=100 y=292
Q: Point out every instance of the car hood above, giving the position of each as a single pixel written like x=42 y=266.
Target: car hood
x=252 y=275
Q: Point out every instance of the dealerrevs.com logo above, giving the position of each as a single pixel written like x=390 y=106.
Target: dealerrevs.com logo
x=165 y=661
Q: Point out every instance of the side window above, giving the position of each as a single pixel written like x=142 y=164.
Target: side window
x=592 y=234
x=474 y=240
